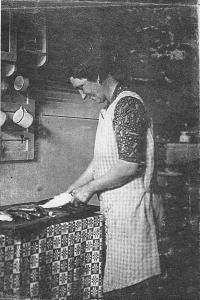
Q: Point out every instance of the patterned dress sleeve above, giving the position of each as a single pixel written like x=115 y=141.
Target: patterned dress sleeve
x=130 y=126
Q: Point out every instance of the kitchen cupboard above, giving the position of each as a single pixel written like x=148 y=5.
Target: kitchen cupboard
x=8 y=43
x=31 y=40
x=181 y=153
x=8 y=37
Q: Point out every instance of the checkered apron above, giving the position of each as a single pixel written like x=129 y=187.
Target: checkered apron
x=132 y=252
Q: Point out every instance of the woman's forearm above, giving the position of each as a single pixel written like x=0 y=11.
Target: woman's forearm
x=121 y=173
x=85 y=178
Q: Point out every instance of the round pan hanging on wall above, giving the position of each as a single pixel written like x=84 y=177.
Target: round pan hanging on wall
x=21 y=83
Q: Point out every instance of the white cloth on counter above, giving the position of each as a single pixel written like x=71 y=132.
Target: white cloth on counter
x=58 y=200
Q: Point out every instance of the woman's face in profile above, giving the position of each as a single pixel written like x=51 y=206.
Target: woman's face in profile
x=92 y=90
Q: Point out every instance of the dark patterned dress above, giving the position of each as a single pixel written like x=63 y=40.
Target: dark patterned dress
x=130 y=126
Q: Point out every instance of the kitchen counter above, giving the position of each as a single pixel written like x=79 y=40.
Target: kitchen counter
x=65 y=213
x=57 y=257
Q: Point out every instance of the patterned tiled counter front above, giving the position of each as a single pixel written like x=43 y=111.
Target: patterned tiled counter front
x=63 y=261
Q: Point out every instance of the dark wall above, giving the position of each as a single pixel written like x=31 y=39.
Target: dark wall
x=154 y=49
x=143 y=42
x=151 y=47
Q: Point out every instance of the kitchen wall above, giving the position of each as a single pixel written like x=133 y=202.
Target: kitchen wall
x=156 y=45
x=65 y=132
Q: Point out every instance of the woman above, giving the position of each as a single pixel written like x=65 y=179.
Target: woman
x=120 y=173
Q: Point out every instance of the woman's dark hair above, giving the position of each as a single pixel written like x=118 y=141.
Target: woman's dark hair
x=91 y=69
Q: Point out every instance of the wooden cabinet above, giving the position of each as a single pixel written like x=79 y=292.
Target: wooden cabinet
x=181 y=153
x=31 y=43
x=175 y=154
x=8 y=43
x=8 y=37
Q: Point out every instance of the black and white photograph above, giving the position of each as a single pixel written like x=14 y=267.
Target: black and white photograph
x=99 y=150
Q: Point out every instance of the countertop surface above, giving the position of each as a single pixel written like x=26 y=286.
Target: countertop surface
x=61 y=214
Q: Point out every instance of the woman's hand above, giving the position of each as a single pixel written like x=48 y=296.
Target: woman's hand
x=71 y=189
x=84 y=179
x=82 y=194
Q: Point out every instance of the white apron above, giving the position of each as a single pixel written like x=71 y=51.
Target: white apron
x=132 y=253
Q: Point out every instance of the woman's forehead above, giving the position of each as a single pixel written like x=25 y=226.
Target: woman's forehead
x=77 y=81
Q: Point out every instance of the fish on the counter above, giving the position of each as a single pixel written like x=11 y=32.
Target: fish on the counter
x=26 y=212
x=32 y=211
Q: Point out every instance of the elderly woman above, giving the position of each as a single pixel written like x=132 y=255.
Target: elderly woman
x=120 y=173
